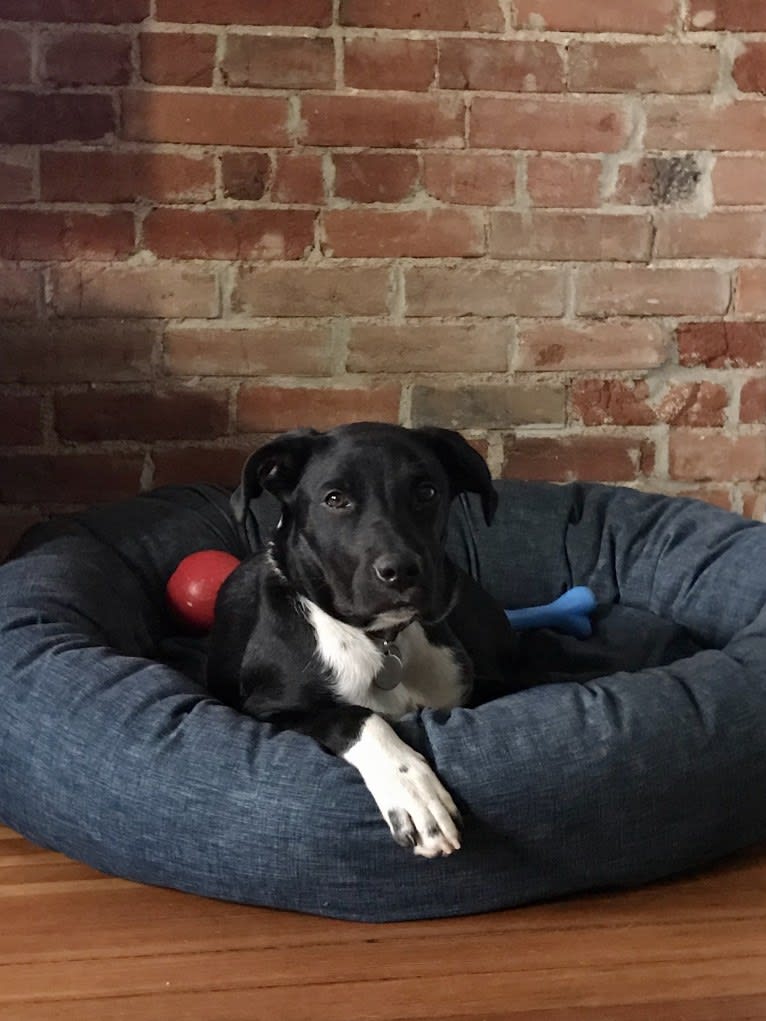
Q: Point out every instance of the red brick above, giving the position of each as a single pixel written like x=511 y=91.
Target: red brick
x=27 y=118
x=752 y=406
x=375 y=176
x=16 y=182
x=33 y=234
x=273 y=409
x=134 y=291
x=564 y=180
x=249 y=351
x=97 y=415
x=739 y=180
x=375 y=63
x=722 y=345
x=715 y=495
x=694 y=404
x=650 y=17
x=218 y=465
x=754 y=504
x=22 y=420
x=279 y=62
x=480 y=445
x=229 y=233
x=390 y=122
x=360 y=233
x=316 y=13
x=635 y=183
x=557 y=347
x=55 y=351
x=298 y=178
x=642 y=67
x=246 y=175
x=105 y=12
x=710 y=455
x=328 y=290
x=692 y=122
x=487 y=406
x=500 y=65
x=658 y=180
x=15 y=57
x=19 y=292
x=450 y=15
x=568 y=458
x=563 y=124
x=570 y=236
x=178 y=58
x=719 y=234
x=470 y=178
x=204 y=118
x=749 y=69
x=732 y=15
x=483 y=291
x=612 y=402
x=638 y=290
x=86 y=58
x=101 y=176
x=69 y=478
x=423 y=347
x=750 y=290
x=718 y=496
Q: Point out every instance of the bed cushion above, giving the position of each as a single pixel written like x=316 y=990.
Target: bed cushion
x=645 y=758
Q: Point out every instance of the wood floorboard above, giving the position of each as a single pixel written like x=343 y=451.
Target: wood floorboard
x=75 y=944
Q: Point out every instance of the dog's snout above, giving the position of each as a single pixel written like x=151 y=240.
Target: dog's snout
x=400 y=572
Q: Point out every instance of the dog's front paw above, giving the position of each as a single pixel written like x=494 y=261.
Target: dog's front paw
x=420 y=813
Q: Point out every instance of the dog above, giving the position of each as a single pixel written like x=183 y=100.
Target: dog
x=353 y=615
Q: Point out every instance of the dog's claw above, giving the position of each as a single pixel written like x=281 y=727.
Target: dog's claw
x=401 y=828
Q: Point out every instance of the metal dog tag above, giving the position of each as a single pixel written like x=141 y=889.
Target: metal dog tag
x=390 y=673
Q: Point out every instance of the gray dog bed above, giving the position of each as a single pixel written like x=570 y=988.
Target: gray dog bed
x=645 y=758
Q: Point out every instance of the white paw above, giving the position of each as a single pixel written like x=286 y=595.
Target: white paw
x=420 y=813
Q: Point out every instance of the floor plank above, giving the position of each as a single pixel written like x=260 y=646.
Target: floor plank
x=78 y=945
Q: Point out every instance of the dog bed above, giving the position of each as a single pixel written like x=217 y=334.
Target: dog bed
x=645 y=758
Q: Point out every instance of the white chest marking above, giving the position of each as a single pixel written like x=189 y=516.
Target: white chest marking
x=431 y=674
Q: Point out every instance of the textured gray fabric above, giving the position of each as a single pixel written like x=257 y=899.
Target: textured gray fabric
x=111 y=752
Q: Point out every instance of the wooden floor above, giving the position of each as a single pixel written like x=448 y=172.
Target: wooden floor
x=79 y=946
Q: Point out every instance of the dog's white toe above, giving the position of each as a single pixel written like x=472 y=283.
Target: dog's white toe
x=420 y=813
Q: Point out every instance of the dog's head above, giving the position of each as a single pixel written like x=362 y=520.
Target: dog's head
x=364 y=513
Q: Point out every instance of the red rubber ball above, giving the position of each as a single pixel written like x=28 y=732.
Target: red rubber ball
x=193 y=587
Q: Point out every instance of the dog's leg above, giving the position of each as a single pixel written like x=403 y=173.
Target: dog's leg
x=418 y=810
x=420 y=813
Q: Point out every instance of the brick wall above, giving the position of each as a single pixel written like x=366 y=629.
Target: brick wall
x=542 y=222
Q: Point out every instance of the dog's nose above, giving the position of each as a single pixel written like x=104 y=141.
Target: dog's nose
x=398 y=571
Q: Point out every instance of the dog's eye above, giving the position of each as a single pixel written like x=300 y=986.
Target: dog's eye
x=337 y=500
x=425 y=492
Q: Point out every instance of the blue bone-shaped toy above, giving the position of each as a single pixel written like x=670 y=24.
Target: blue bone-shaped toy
x=569 y=614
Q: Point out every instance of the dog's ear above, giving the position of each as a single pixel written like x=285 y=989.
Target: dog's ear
x=275 y=467
x=465 y=467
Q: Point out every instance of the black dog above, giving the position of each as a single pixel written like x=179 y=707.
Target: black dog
x=353 y=613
